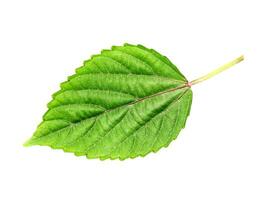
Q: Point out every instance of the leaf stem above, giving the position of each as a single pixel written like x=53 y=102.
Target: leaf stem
x=217 y=71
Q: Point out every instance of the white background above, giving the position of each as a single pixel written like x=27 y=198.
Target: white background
x=221 y=154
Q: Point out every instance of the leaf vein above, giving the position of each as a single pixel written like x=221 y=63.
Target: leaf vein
x=135 y=131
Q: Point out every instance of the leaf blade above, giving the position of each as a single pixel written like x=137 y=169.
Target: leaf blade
x=109 y=111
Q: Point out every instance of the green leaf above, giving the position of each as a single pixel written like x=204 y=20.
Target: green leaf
x=126 y=102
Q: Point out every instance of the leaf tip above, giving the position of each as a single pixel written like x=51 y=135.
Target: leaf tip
x=29 y=143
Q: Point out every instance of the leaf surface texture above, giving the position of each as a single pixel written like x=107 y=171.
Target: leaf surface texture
x=123 y=103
